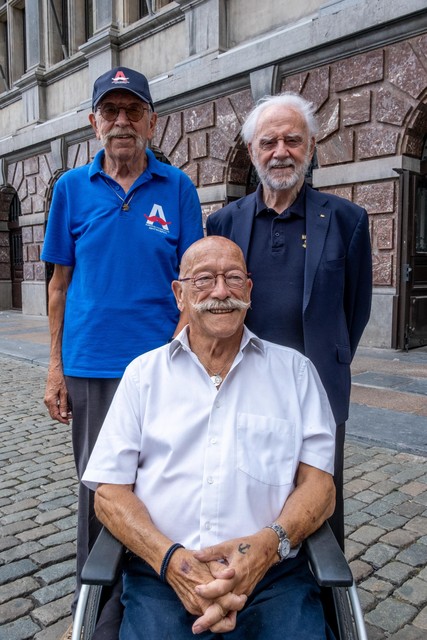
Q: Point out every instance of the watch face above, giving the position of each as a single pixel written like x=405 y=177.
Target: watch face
x=284 y=548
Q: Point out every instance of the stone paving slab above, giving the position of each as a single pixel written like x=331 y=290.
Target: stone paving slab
x=391 y=381
x=386 y=521
x=389 y=399
x=379 y=426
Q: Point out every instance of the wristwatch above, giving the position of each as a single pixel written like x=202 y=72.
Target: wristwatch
x=284 y=547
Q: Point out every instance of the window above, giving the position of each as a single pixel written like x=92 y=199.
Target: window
x=4 y=56
x=16 y=41
x=142 y=9
x=13 y=48
x=58 y=30
x=70 y=24
x=88 y=12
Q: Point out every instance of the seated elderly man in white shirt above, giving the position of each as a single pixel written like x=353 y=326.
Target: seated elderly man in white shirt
x=214 y=462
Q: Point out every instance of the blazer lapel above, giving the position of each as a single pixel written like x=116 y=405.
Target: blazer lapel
x=243 y=221
x=318 y=218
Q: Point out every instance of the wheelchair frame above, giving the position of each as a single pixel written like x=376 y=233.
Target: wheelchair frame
x=327 y=562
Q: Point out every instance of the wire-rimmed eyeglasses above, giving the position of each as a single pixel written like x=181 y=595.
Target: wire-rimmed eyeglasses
x=207 y=281
x=110 y=111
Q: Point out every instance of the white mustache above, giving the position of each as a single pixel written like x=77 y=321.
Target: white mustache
x=229 y=304
x=281 y=164
x=117 y=131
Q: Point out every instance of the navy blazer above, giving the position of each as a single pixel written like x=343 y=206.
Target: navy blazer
x=337 y=282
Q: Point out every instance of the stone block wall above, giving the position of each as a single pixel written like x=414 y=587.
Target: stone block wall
x=370 y=106
x=204 y=142
x=6 y=195
x=30 y=178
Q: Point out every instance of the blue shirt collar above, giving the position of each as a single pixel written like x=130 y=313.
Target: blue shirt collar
x=154 y=166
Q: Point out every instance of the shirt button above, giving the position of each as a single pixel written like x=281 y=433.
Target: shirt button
x=217 y=404
x=277 y=234
x=208 y=526
x=213 y=440
x=210 y=480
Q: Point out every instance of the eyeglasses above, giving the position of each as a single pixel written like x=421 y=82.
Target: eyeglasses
x=110 y=111
x=207 y=281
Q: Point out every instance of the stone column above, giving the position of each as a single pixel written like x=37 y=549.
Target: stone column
x=206 y=26
x=102 y=50
x=264 y=82
x=30 y=83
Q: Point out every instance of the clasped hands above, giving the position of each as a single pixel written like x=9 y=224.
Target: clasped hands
x=214 y=583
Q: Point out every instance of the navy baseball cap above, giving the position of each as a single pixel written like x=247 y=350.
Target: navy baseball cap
x=124 y=79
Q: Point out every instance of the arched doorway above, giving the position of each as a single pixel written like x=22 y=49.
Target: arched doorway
x=16 y=254
x=411 y=314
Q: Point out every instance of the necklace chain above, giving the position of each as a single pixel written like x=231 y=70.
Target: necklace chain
x=126 y=205
x=216 y=377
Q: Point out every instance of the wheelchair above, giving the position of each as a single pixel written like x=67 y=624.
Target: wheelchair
x=327 y=562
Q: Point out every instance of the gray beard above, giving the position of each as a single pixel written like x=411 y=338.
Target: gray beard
x=282 y=184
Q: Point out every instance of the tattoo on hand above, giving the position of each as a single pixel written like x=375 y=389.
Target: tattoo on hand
x=244 y=547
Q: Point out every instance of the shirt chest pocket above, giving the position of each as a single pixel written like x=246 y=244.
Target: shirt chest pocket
x=265 y=448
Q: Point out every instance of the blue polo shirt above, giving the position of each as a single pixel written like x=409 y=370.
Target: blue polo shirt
x=276 y=260
x=124 y=258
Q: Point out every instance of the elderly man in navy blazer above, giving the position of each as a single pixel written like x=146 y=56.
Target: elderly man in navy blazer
x=309 y=254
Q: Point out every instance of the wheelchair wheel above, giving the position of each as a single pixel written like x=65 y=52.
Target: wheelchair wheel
x=91 y=613
x=344 y=619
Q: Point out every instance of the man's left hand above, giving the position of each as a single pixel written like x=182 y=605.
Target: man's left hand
x=250 y=557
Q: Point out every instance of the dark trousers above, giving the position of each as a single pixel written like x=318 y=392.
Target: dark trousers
x=285 y=605
x=337 y=519
x=90 y=399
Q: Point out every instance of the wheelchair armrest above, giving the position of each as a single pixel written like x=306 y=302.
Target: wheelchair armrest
x=103 y=563
x=327 y=561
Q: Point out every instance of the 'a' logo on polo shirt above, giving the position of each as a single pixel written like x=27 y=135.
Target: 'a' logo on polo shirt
x=156 y=221
x=120 y=78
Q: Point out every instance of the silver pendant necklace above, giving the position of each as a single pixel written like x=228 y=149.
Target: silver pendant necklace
x=125 y=205
x=216 y=378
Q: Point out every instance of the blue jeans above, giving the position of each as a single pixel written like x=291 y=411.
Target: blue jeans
x=285 y=605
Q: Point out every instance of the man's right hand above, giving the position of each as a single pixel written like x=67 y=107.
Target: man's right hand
x=185 y=573
x=56 y=396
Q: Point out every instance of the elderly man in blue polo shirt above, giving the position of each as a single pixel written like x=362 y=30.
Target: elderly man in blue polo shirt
x=213 y=464
x=116 y=233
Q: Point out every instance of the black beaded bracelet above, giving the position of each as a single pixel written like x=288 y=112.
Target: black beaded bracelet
x=165 y=562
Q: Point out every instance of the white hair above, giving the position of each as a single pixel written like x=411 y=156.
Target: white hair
x=287 y=99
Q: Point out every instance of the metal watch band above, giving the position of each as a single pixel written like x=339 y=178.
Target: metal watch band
x=281 y=533
x=284 y=546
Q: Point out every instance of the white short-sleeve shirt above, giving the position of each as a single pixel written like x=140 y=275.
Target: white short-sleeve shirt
x=213 y=465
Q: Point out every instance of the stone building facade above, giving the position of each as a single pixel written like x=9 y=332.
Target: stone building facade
x=362 y=63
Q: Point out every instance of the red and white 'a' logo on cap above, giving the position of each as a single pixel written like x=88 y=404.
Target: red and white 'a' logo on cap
x=120 y=78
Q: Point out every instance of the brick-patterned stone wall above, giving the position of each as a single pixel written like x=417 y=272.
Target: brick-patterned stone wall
x=370 y=106
x=82 y=153
x=203 y=142
x=6 y=195
x=379 y=199
x=31 y=178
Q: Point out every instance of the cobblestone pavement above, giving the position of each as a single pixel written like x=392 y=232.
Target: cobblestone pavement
x=386 y=521
x=37 y=509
